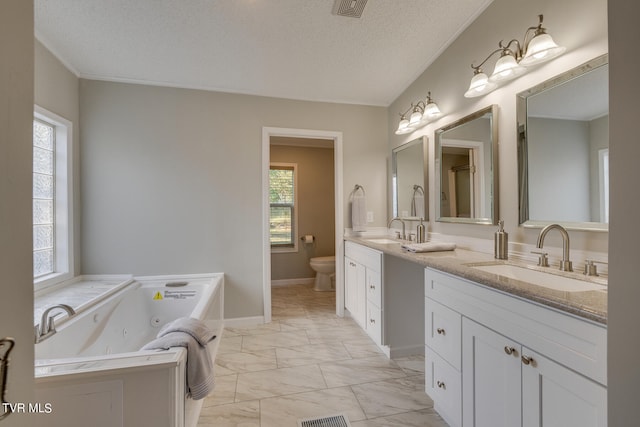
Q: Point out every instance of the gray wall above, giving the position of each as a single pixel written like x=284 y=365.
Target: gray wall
x=16 y=164
x=580 y=25
x=316 y=209
x=171 y=178
x=624 y=235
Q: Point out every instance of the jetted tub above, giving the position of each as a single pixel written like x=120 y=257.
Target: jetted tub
x=92 y=371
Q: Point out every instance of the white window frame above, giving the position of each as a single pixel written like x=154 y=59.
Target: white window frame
x=603 y=173
x=294 y=231
x=63 y=199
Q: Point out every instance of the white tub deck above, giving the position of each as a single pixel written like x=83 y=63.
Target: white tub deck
x=97 y=376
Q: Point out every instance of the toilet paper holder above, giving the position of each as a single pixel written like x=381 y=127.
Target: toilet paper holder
x=308 y=238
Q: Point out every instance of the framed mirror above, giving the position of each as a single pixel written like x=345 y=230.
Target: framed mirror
x=409 y=180
x=563 y=149
x=467 y=169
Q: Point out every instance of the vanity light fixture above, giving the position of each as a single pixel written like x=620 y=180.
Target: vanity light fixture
x=422 y=113
x=537 y=47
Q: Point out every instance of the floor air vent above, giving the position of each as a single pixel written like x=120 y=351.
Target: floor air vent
x=350 y=8
x=339 y=420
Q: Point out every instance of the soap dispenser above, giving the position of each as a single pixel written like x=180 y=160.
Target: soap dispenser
x=420 y=232
x=501 y=242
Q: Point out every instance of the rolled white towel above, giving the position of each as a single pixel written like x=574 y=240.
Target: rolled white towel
x=359 y=213
x=429 y=247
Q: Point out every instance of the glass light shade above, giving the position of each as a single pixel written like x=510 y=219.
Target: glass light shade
x=431 y=111
x=403 y=127
x=540 y=49
x=506 y=69
x=480 y=85
x=415 y=118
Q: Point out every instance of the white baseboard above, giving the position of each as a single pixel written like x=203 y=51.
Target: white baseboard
x=237 y=322
x=289 y=282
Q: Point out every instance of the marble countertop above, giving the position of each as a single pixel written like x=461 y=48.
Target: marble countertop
x=77 y=293
x=591 y=305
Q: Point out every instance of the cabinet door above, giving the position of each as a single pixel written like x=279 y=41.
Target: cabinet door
x=374 y=322
x=442 y=384
x=554 y=396
x=354 y=290
x=491 y=393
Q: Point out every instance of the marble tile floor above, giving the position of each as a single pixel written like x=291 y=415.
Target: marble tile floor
x=309 y=362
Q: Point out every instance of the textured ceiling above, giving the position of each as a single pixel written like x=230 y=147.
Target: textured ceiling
x=282 y=48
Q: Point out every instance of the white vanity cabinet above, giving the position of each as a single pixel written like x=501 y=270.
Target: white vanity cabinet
x=384 y=294
x=363 y=287
x=520 y=363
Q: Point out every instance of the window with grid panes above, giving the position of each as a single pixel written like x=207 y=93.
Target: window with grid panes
x=43 y=198
x=52 y=198
x=282 y=196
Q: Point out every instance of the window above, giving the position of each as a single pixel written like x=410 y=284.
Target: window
x=52 y=201
x=282 y=203
x=603 y=160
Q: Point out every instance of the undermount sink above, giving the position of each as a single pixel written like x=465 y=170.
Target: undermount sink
x=540 y=278
x=383 y=240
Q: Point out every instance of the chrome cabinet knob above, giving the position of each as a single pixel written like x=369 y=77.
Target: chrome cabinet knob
x=441 y=385
x=440 y=331
x=510 y=350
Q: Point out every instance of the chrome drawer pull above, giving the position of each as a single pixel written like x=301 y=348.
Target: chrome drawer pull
x=440 y=331
x=510 y=350
x=528 y=360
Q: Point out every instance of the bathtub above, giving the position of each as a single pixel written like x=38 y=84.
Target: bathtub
x=92 y=371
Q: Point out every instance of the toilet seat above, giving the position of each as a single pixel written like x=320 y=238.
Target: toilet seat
x=323 y=259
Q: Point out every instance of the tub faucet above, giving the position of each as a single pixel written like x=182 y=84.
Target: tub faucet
x=403 y=236
x=47 y=325
x=565 y=264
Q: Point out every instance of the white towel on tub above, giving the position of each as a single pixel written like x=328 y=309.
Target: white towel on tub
x=194 y=336
x=359 y=213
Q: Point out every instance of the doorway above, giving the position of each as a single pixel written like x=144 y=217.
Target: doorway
x=333 y=139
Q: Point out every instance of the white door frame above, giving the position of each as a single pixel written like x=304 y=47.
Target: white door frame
x=267 y=133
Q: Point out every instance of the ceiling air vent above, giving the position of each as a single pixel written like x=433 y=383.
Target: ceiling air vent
x=350 y=8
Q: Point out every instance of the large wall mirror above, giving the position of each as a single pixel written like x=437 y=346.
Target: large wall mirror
x=409 y=180
x=466 y=161
x=563 y=149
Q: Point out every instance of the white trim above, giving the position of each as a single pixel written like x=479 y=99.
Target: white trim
x=290 y=282
x=267 y=133
x=63 y=198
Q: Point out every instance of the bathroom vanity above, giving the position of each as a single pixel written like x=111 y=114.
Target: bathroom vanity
x=499 y=350
x=383 y=294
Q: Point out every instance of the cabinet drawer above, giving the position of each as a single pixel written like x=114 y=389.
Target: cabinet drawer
x=443 y=331
x=374 y=322
x=366 y=256
x=374 y=287
x=443 y=384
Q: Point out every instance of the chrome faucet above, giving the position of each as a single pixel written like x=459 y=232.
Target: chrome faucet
x=47 y=325
x=403 y=236
x=565 y=264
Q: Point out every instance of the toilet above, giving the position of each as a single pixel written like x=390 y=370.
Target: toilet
x=325 y=268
